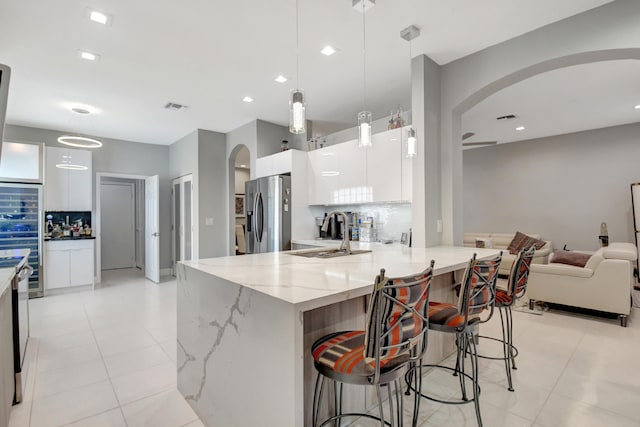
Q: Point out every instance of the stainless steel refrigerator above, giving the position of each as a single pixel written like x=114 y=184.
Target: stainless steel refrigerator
x=268 y=214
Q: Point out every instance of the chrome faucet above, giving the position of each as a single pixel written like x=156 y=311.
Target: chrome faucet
x=346 y=244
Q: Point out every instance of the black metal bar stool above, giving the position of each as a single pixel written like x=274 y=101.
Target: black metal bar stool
x=477 y=294
x=395 y=335
x=505 y=299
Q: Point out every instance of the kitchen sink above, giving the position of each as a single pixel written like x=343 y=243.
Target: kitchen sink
x=329 y=253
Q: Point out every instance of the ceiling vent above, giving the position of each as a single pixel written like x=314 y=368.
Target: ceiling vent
x=507 y=117
x=173 y=106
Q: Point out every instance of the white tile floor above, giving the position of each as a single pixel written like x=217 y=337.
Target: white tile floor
x=107 y=358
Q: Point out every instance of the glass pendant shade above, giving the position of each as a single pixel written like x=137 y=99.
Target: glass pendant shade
x=412 y=143
x=364 y=129
x=297 y=114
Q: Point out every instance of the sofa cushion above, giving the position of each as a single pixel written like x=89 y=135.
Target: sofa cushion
x=569 y=257
x=561 y=270
x=521 y=241
x=618 y=250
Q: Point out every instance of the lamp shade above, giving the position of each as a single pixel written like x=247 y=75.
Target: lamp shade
x=364 y=129
x=297 y=114
x=412 y=143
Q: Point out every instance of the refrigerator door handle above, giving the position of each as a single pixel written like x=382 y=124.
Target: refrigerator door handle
x=255 y=217
x=259 y=217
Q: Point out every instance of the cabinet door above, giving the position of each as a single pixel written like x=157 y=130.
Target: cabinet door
x=56 y=181
x=384 y=166
x=81 y=267
x=352 y=183
x=56 y=272
x=323 y=176
x=80 y=182
x=407 y=169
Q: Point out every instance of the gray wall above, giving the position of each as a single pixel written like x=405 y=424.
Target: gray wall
x=560 y=187
x=212 y=176
x=270 y=136
x=611 y=31
x=183 y=156
x=122 y=157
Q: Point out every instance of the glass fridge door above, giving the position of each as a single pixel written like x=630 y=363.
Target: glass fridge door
x=20 y=226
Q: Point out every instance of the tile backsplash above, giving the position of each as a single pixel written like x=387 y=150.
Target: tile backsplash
x=390 y=220
x=61 y=216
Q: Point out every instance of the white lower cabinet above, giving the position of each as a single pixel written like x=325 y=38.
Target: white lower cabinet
x=68 y=263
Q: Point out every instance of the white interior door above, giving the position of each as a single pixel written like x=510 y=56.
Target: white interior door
x=118 y=236
x=152 y=229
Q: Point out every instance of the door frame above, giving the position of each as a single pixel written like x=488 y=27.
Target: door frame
x=132 y=205
x=181 y=180
x=96 y=225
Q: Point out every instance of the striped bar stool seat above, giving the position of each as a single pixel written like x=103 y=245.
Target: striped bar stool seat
x=505 y=299
x=478 y=294
x=395 y=335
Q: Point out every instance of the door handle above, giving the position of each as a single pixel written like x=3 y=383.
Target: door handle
x=255 y=217
x=156 y=234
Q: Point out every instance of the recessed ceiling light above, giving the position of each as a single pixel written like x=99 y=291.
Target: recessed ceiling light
x=519 y=128
x=243 y=166
x=637 y=107
x=328 y=50
x=247 y=99
x=98 y=17
x=88 y=55
x=281 y=79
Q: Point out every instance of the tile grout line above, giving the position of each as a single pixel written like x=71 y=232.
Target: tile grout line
x=105 y=367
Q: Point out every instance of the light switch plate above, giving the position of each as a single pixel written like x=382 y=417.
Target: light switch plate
x=208 y=221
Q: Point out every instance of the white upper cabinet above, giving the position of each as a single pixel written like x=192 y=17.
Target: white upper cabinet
x=21 y=162
x=68 y=189
x=343 y=174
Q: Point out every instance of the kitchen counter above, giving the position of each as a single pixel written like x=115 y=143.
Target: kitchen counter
x=247 y=322
x=7 y=272
x=65 y=238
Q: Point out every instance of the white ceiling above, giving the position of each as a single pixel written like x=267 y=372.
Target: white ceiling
x=209 y=54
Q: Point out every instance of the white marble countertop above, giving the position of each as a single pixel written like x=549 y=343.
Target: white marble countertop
x=6 y=274
x=315 y=282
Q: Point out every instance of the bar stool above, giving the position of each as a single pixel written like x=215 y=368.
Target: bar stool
x=505 y=299
x=477 y=294
x=395 y=335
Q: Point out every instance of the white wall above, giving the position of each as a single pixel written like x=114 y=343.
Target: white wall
x=242 y=176
x=561 y=187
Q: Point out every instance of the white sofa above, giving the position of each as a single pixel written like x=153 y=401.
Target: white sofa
x=501 y=241
x=603 y=284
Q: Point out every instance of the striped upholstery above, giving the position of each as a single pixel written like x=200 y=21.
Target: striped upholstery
x=394 y=326
x=478 y=294
x=518 y=278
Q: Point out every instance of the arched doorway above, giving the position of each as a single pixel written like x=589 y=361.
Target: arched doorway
x=239 y=173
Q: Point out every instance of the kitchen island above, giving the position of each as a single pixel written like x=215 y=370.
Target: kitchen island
x=246 y=325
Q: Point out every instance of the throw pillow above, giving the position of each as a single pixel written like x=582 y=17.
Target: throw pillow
x=571 y=258
x=522 y=241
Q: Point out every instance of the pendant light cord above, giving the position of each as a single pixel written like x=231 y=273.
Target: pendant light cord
x=297 y=47
x=364 y=60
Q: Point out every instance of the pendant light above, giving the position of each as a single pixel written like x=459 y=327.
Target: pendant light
x=297 y=113
x=364 y=117
x=410 y=33
x=79 y=140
